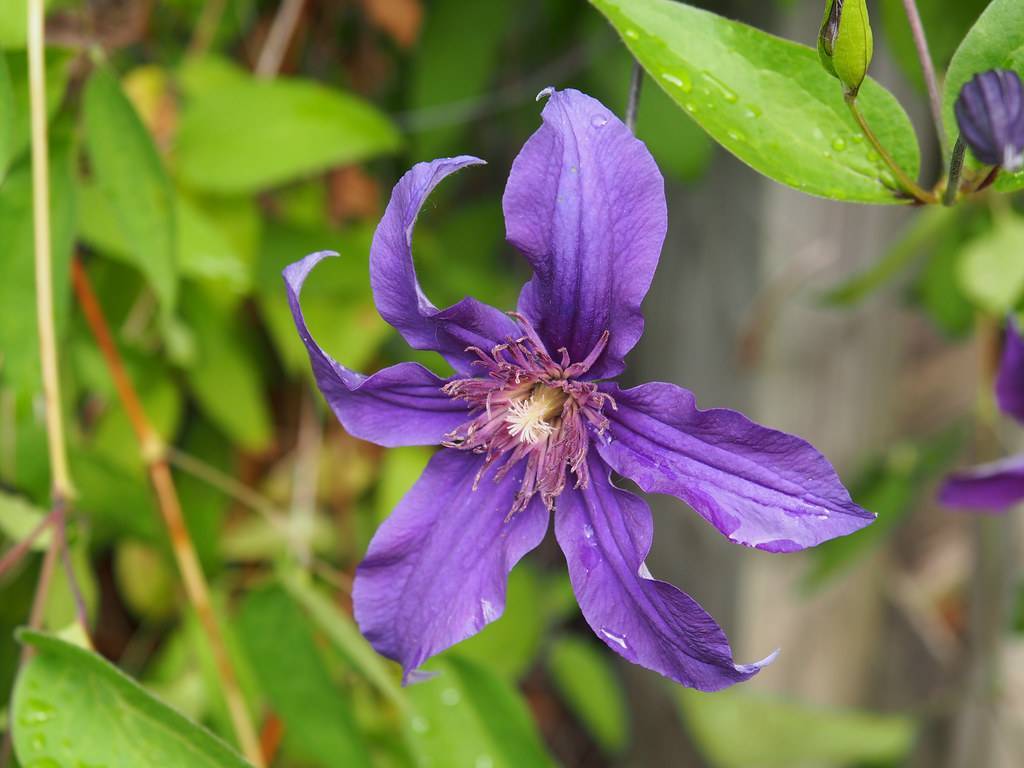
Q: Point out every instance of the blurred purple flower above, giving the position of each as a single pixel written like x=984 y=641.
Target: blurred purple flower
x=532 y=404
x=990 y=113
x=996 y=486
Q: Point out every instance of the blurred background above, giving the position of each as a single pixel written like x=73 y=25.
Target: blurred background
x=199 y=147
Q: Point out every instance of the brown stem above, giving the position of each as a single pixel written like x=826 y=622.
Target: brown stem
x=910 y=186
x=281 y=31
x=13 y=556
x=160 y=476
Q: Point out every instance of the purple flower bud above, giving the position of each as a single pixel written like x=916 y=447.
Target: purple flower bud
x=990 y=111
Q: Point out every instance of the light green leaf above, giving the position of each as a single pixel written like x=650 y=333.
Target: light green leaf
x=250 y=135
x=399 y=470
x=19 y=354
x=344 y=634
x=72 y=705
x=19 y=517
x=319 y=727
x=583 y=674
x=737 y=729
x=14 y=23
x=768 y=100
x=991 y=268
x=131 y=179
x=996 y=41
x=8 y=121
x=467 y=716
x=225 y=377
x=14 y=109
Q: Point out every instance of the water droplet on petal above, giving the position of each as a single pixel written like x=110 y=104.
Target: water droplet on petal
x=545 y=93
x=588 y=532
x=599 y=121
x=489 y=611
x=619 y=640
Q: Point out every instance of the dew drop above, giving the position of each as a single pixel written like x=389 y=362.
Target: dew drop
x=838 y=144
x=727 y=93
x=484 y=761
x=736 y=136
x=691 y=107
x=38 y=741
x=680 y=80
x=599 y=121
x=420 y=725
x=858 y=139
x=619 y=640
x=588 y=532
x=36 y=712
x=632 y=34
x=753 y=112
x=821 y=517
x=818 y=134
x=451 y=696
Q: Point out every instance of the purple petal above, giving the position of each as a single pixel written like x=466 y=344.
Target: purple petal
x=605 y=534
x=990 y=487
x=759 y=487
x=401 y=405
x=437 y=568
x=585 y=203
x=397 y=292
x=1010 y=382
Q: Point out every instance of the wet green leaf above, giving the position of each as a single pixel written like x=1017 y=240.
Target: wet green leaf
x=130 y=178
x=249 y=135
x=767 y=100
x=72 y=705
x=583 y=674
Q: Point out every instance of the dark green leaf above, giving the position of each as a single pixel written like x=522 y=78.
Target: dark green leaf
x=130 y=178
x=319 y=727
x=71 y=705
x=250 y=135
x=768 y=100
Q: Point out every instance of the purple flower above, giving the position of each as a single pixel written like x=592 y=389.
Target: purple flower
x=531 y=423
x=990 y=112
x=996 y=486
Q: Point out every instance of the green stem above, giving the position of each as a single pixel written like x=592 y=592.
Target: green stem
x=956 y=168
x=910 y=186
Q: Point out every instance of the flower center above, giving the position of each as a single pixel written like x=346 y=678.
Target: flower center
x=528 y=407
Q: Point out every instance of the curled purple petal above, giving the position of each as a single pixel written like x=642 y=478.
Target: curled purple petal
x=605 y=533
x=585 y=203
x=436 y=570
x=993 y=487
x=397 y=292
x=990 y=113
x=759 y=487
x=1010 y=381
x=401 y=405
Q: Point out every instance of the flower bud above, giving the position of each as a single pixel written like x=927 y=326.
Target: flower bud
x=990 y=113
x=845 y=43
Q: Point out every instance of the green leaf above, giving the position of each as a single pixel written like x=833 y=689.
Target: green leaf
x=19 y=517
x=468 y=716
x=583 y=674
x=14 y=23
x=226 y=378
x=319 y=727
x=72 y=705
x=250 y=135
x=131 y=179
x=345 y=636
x=767 y=100
x=19 y=354
x=996 y=41
x=926 y=227
x=8 y=118
x=737 y=729
x=14 y=108
x=890 y=488
x=459 y=49
x=992 y=267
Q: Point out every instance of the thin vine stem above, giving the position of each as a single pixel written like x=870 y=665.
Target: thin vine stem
x=278 y=38
x=909 y=186
x=928 y=70
x=636 y=82
x=154 y=455
x=956 y=169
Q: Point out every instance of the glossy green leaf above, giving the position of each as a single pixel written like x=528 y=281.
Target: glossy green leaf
x=251 y=135
x=130 y=177
x=996 y=41
x=73 y=707
x=992 y=266
x=738 y=729
x=584 y=676
x=19 y=354
x=344 y=634
x=468 y=716
x=767 y=100
x=19 y=517
x=319 y=726
x=225 y=377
